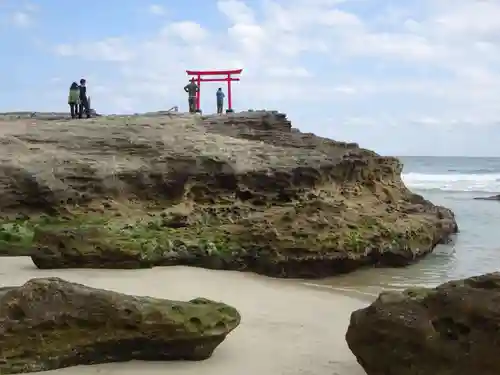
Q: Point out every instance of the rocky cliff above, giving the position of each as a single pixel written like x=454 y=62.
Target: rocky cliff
x=242 y=191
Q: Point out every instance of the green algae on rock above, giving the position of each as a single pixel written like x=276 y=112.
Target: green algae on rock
x=16 y=238
x=50 y=323
x=448 y=330
x=242 y=191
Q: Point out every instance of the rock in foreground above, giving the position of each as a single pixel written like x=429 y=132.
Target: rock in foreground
x=450 y=330
x=51 y=323
x=242 y=191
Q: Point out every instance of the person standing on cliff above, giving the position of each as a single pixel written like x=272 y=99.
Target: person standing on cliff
x=74 y=99
x=84 y=100
x=220 y=100
x=192 y=89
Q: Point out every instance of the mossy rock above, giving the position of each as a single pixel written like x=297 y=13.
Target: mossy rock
x=309 y=238
x=140 y=244
x=51 y=323
x=294 y=242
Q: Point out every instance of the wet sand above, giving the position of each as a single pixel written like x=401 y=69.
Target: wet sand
x=287 y=328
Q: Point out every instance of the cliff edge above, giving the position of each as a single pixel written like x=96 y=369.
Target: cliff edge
x=242 y=191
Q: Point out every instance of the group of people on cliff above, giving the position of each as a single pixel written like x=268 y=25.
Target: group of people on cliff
x=78 y=101
x=193 y=89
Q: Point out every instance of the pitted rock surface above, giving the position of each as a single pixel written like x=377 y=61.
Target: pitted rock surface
x=243 y=191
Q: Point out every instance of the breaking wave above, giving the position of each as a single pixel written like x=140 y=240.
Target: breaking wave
x=473 y=182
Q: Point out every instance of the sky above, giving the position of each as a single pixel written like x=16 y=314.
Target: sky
x=412 y=77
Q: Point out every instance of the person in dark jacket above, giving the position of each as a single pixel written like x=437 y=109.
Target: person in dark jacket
x=74 y=99
x=84 y=101
x=192 y=88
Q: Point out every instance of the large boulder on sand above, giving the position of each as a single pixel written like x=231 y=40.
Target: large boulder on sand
x=450 y=330
x=51 y=323
x=243 y=191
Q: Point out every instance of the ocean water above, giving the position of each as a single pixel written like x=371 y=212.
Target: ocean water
x=452 y=182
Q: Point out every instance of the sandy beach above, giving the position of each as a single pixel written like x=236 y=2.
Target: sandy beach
x=287 y=328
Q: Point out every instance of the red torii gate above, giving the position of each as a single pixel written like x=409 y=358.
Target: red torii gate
x=228 y=79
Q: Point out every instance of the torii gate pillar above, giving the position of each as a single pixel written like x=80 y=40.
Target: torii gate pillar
x=198 y=74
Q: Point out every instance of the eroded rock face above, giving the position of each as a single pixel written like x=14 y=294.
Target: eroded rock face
x=450 y=330
x=243 y=191
x=51 y=323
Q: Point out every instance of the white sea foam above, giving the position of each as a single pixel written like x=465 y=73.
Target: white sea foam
x=488 y=183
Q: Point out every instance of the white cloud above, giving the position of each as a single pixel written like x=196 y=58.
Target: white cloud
x=22 y=19
x=24 y=16
x=157 y=10
x=349 y=90
x=423 y=62
x=248 y=38
x=335 y=17
x=188 y=31
x=282 y=71
x=65 y=49
x=238 y=12
x=110 y=49
x=470 y=19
